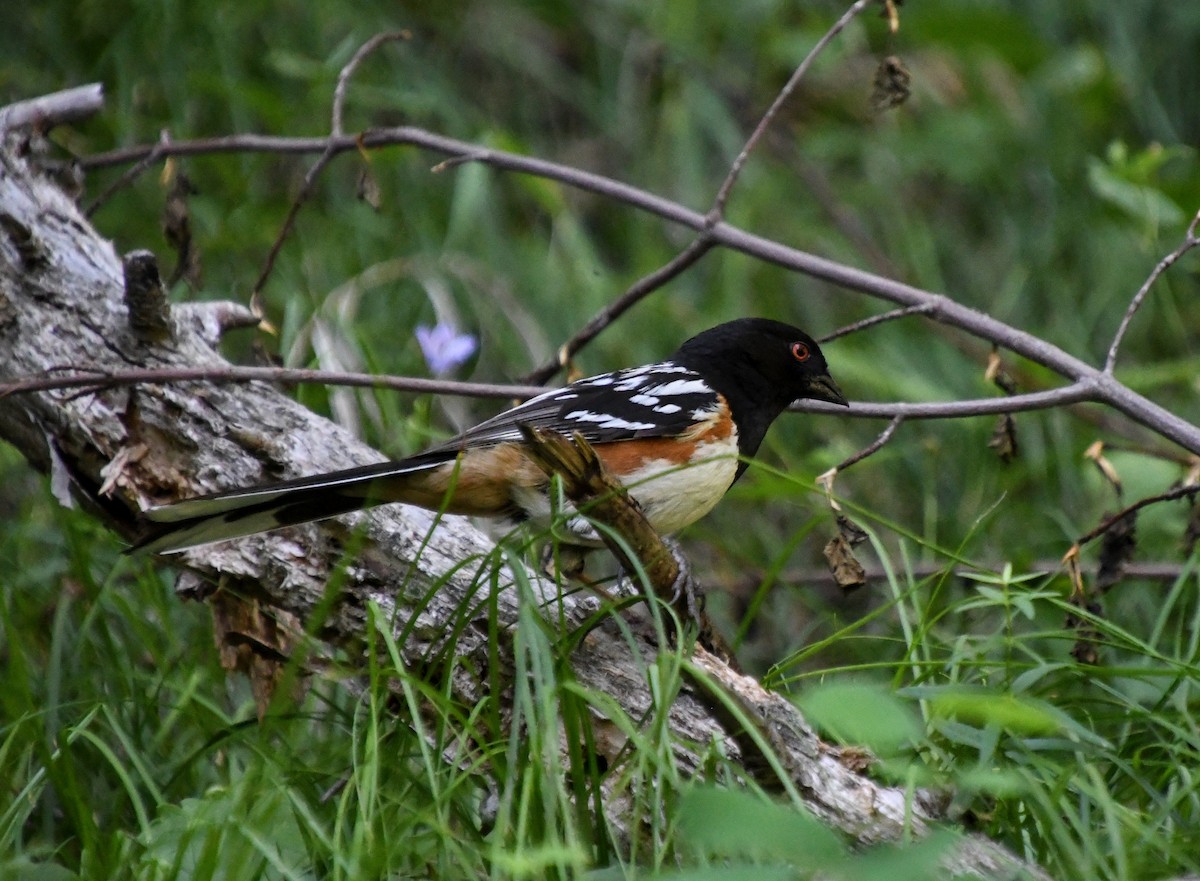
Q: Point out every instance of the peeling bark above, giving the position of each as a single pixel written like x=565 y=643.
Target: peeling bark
x=62 y=302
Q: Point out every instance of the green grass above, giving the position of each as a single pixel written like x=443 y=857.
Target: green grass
x=130 y=754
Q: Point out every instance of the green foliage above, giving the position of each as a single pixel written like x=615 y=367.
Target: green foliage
x=1086 y=768
x=741 y=830
x=1044 y=163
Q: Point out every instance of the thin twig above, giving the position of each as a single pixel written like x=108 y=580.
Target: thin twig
x=1075 y=393
x=327 y=156
x=130 y=175
x=780 y=99
x=75 y=377
x=288 y=222
x=1179 y=492
x=343 y=80
x=1190 y=240
x=922 y=309
x=644 y=286
x=875 y=446
x=703 y=243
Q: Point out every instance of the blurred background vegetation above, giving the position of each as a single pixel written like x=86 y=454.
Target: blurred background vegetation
x=1044 y=163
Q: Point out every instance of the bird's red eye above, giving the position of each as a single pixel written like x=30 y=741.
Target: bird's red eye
x=800 y=351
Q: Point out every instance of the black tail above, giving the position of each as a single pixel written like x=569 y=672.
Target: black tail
x=225 y=515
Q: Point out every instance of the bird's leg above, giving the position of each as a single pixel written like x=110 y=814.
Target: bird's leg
x=685 y=591
x=684 y=594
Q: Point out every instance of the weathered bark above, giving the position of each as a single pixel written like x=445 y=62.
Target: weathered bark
x=62 y=303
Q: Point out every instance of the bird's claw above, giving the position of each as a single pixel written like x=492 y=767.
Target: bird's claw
x=685 y=591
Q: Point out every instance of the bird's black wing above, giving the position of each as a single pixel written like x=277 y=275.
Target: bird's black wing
x=658 y=400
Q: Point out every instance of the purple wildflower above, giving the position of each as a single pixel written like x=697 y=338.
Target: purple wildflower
x=444 y=347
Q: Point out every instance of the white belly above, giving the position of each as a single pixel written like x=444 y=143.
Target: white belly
x=675 y=498
x=681 y=496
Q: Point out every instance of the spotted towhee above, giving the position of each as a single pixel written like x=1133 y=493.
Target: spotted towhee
x=676 y=433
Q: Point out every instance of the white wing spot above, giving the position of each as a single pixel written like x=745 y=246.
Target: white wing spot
x=668 y=408
x=681 y=387
x=607 y=420
x=644 y=400
x=628 y=385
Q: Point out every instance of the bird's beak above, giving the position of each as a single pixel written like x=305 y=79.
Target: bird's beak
x=823 y=388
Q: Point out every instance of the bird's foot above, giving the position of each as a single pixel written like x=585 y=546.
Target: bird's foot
x=686 y=596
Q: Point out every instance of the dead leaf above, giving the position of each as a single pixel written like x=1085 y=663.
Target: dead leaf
x=1004 y=438
x=1192 y=532
x=891 y=11
x=997 y=373
x=1086 y=649
x=848 y=573
x=1116 y=549
x=254 y=643
x=367 y=188
x=1096 y=453
x=891 y=86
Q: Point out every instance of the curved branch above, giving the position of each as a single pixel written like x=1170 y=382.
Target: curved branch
x=703 y=243
x=1075 y=393
x=93 y=379
x=1190 y=240
x=793 y=82
x=640 y=289
x=1105 y=389
x=336 y=126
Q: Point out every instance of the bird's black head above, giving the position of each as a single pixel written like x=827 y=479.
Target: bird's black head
x=760 y=366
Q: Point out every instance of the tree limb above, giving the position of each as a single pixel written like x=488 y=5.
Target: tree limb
x=47 y=111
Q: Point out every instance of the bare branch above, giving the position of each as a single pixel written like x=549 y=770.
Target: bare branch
x=1190 y=240
x=85 y=378
x=343 y=80
x=47 y=111
x=306 y=189
x=703 y=243
x=81 y=376
x=875 y=446
x=826 y=479
x=646 y=285
x=780 y=99
x=131 y=174
x=1072 y=394
x=1178 y=492
x=1101 y=387
x=923 y=309
x=327 y=156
